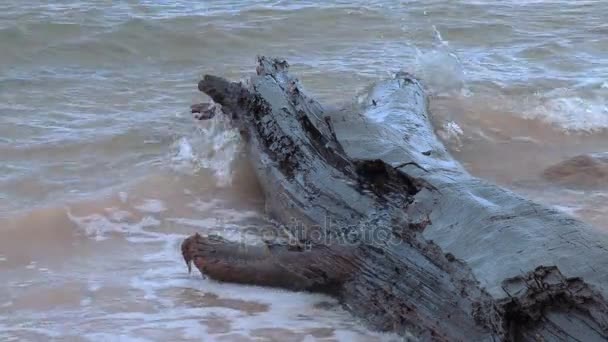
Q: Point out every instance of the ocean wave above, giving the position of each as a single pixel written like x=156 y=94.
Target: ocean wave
x=178 y=38
x=572 y=114
x=40 y=31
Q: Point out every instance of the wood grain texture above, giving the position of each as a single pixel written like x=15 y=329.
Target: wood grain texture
x=394 y=227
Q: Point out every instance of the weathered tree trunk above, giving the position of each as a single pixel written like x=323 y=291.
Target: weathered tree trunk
x=383 y=218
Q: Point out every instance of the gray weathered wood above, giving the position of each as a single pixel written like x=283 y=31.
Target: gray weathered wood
x=382 y=217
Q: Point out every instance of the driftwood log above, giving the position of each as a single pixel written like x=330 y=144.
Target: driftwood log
x=381 y=216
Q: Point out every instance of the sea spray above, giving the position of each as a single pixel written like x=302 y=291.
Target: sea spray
x=213 y=146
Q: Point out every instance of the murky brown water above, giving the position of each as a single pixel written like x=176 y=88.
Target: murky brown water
x=103 y=171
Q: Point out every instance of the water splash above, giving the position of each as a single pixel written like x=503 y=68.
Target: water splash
x=213 y=146
x=452 y=133
x=440 y=68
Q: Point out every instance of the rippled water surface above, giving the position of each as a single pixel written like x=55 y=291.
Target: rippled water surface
x=103 y=171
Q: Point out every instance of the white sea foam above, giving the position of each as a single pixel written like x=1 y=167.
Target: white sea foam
x=214 y=146
x=572 y=113
x=184 y=151
x=118 y=215
x=452 y=129
x=296 y=312
x=570 y=210
x=204 y=206
x=110 y=90
x=205 y=223
x=151 y=206
x=100 y=227
x=451 y=132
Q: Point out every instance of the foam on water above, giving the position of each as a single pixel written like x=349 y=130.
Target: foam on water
x=273 y=308
x=88 y=96
x=102 y=226
x=145 y=293
x=572 y=114
x=151 y=206
x=217 y=146
x=451 y=132
x=184 y=151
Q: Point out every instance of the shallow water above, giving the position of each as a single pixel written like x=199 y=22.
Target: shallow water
x=103 y=171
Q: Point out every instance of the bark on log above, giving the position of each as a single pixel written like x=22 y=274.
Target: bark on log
x=383 y=218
